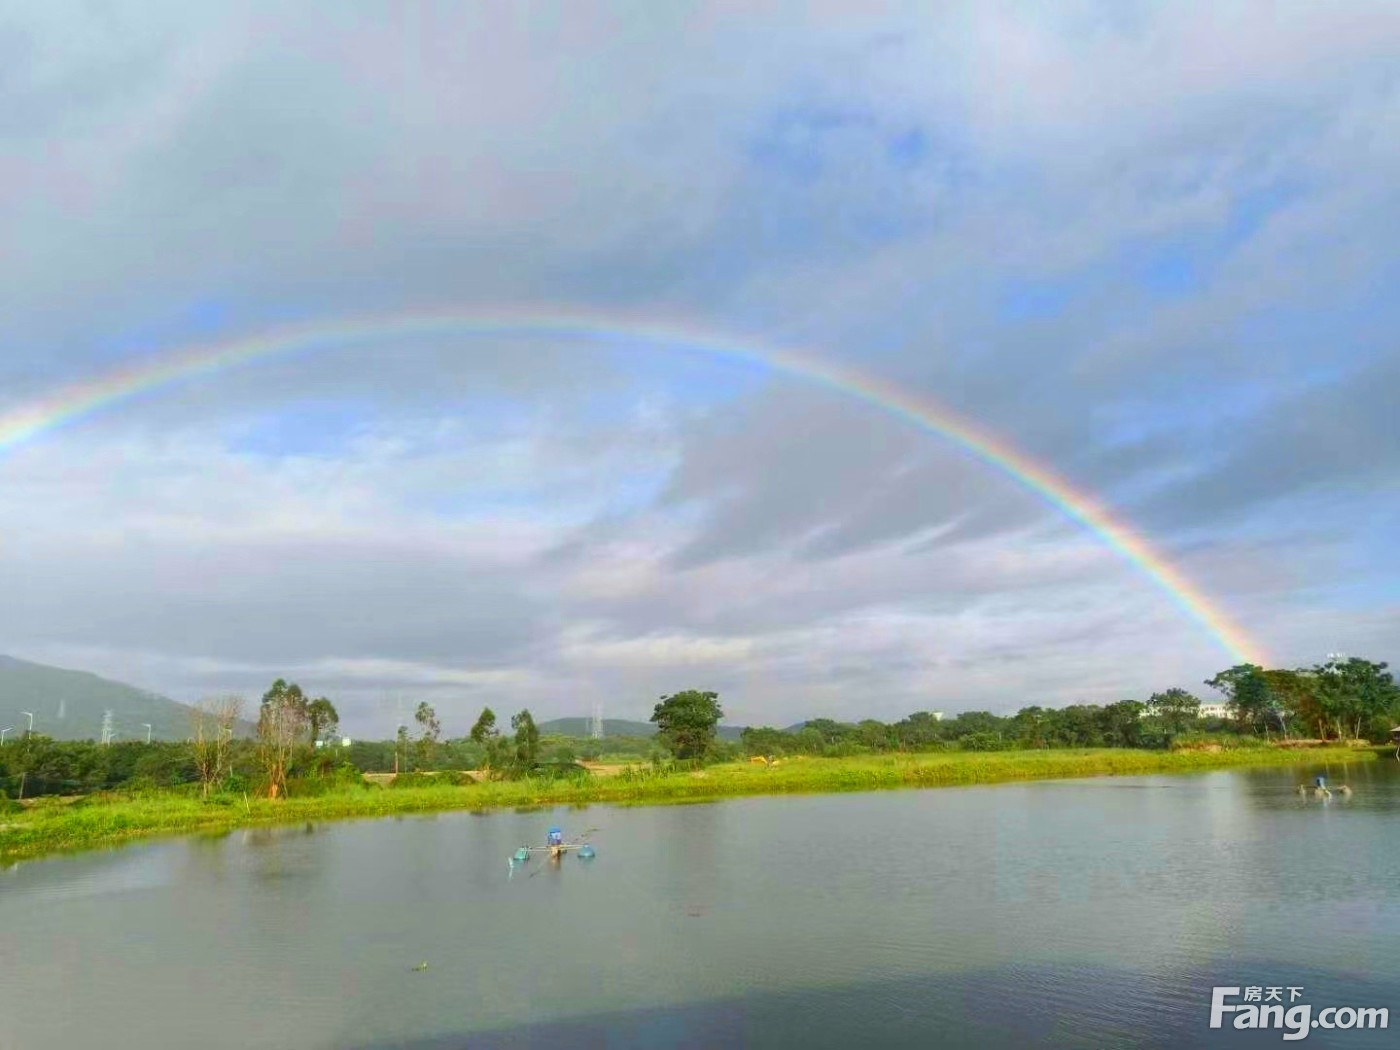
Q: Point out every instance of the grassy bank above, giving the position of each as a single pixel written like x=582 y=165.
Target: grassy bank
x=56 y=824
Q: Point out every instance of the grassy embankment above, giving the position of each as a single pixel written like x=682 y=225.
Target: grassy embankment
x=53 y=825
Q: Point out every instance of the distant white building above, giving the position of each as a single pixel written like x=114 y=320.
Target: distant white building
x=1205 y=711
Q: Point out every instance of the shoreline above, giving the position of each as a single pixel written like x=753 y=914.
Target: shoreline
x=92 y=822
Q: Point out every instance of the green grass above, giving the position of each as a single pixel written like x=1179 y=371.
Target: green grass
x=55 y=825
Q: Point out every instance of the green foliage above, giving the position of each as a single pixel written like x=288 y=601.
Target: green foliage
x=419 y=780
x=110 y=818
x=560 y=771
x=282 y=726
x=766 y=741
x=1355 y=692
x=322 y=719
x=430 y=730
x=72 y=767
x=485 y=726
x=1199 y=741
x=1247 y=692
x=1176 y=710
x=1342 y=699
x=527 y=741
x=686 y=722
x=981 y=741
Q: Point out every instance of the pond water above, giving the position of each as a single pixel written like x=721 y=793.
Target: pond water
x=1086 y=913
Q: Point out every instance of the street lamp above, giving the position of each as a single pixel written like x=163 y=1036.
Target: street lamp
x=7 y=729
x=148 y=731
x=31 y=722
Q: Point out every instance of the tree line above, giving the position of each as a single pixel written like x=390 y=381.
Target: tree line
x=1340 y=699
x=296 y=743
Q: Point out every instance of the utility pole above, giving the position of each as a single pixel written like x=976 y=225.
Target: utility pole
x=148 y=731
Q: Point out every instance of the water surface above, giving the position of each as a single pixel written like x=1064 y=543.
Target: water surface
x=1061 y=913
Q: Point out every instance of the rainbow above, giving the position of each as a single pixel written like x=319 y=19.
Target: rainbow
x=73 y=402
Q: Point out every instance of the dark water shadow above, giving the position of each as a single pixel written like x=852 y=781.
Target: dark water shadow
x=1004 y=1009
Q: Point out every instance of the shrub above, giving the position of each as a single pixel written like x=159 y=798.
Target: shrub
x=559 y=771
x=982 y=742
x=418 y=780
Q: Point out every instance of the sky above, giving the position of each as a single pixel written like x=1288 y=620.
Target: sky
x=1146 y=245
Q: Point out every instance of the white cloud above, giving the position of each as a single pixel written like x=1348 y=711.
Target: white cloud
x=481 y=520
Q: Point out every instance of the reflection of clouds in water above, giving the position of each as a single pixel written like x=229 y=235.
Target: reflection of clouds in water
x=94 y=875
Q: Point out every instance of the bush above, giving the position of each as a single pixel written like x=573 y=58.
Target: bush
x=309 y=787
x=419 y=780
x=1217 y=742
x=559 y=771
x=982 y=742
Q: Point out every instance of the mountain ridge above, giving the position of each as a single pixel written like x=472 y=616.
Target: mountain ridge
x=70 y=704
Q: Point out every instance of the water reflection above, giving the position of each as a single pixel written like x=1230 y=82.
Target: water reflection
x=1086 y=913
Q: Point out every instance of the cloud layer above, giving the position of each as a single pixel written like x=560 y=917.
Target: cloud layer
x=1149 y=246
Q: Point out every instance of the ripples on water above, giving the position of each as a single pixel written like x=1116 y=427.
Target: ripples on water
x=1083 y=913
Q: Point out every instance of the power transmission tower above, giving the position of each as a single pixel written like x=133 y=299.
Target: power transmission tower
x=106 y=727
x=595 y=729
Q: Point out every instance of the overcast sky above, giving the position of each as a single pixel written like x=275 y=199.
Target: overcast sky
x=1148 y=245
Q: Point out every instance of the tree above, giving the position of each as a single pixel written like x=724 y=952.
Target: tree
x=967 y=722
x=875 y=735
x=1297 y=697
x=1177 y=709
x=1122 y=723
x=527 y=741
x=282 y=720
x=1247 y=692
x=1079 y=725
x=484 y=733
x=832 y=732
x=485 y=727
x=1355 y=691
x=322 y=719
x=919 y=730
x=686 y=722
x=1031 y=723
x=213 y=722
x=765 y=741
x=427 y=718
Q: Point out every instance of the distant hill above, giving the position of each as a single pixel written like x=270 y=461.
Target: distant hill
x=69 y=705
x=618 y=727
